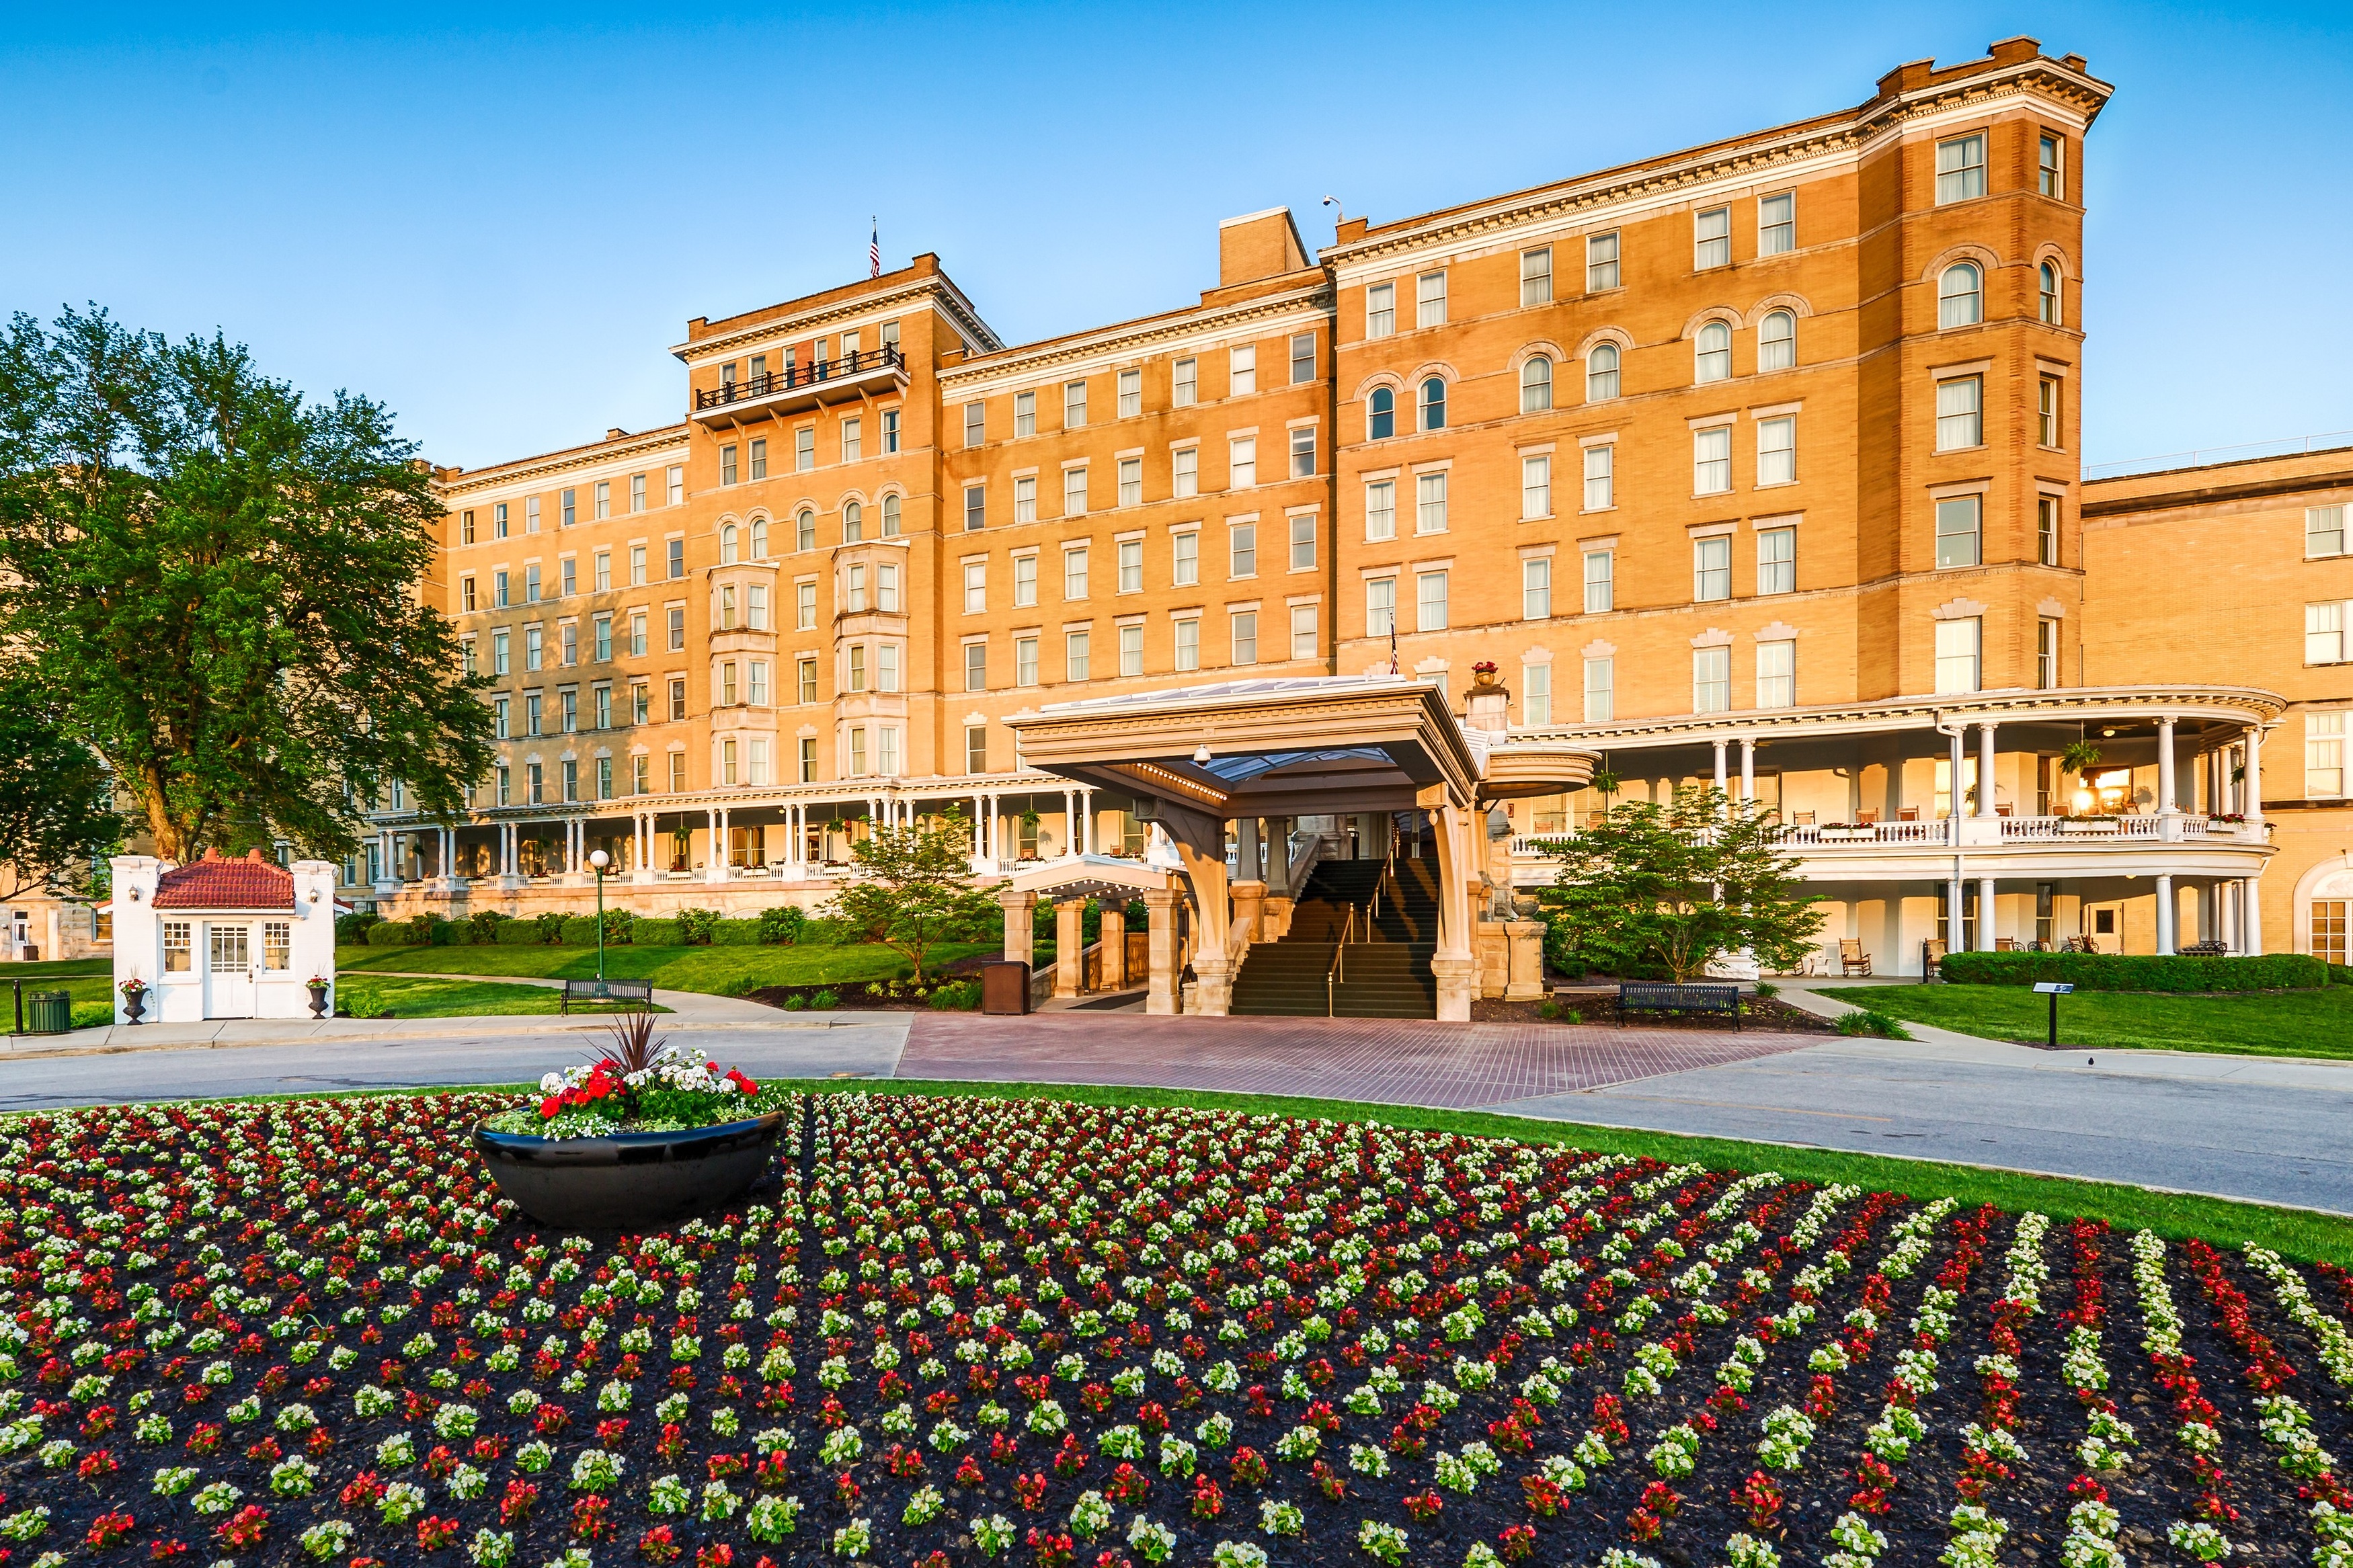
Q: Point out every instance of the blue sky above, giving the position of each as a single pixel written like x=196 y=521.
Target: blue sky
x=499 y=221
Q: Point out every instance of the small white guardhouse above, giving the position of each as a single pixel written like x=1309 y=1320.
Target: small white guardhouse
x=221 y=937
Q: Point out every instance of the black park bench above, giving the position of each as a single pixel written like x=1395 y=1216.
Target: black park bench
x=1643 y=997
x=592 y=990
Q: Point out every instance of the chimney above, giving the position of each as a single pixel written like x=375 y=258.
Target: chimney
x=615 y=434
x=1258 y=244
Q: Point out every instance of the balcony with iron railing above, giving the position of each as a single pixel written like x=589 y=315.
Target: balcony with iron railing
x=802 y=387
x=1829 y=842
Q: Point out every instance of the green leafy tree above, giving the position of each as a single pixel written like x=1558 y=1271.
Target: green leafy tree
x=56 y=818
x=217 y=586
x=1676 y=884
x=912 y=888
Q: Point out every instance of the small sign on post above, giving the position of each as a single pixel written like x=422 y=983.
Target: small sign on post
x=2054 y=989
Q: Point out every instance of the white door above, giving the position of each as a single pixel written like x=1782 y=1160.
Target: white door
x=228 y=971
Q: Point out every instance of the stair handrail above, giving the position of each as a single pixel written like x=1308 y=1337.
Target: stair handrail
x=1388 y=876
x=1332 y=976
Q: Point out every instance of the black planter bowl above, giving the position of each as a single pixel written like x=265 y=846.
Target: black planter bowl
x=628 y=1181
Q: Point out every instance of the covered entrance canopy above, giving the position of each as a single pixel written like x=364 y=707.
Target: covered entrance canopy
x=1198 y=757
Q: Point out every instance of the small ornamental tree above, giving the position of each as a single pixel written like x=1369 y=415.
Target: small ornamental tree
x=910 y=887
x=1675 y=885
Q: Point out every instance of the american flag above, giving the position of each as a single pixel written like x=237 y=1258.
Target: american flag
x=874 y=251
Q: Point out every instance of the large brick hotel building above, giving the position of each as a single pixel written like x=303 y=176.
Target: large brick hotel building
x=1755 y=461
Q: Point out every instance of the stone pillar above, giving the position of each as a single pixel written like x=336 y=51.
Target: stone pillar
x=1956 y=795
x=2253 y=793
x=1020 y=923
x=1748 y=767
x=1956 y=921
x=1070 y=946
x=1720 y=779
x=1160 y=952
x=1526 y=980
x=2167 y=789
x=1213 y=959
x=1249 y=905
x=2251 y=892
x=1247 y=864
x=1114 y=943
x=1985 y=777
x=1984 y=903
x=1451 y=965
x=2166 y=912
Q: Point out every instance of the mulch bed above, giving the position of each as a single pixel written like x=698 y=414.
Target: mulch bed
x=958 y=1331
x=1598 y=1008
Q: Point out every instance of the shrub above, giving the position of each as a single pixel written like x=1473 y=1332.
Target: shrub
x=736 y=933
x=484 y=926
x=355 y=928
x=1768 y=990
x=92 y=1015
x=617 y=926
x=2137 y=972
x=783 y=926
x=578 y=931
x=1867 y=1021
x=825 y=1000
x=647 y=932
x=694 y=925
x=957 y=995
x=517 y=934
x=388 y=933
x=550 y=926
x=825 y=932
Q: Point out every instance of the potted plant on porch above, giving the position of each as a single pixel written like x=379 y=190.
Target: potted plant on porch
x=644 y=1134
x=134 y=998
x=318 y=985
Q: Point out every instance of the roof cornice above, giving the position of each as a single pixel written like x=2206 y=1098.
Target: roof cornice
x=2021 y=705
x=1137 y=336
x=571 y=460
x=934 y=289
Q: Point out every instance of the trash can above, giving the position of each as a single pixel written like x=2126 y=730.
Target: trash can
x=48 y=1011
x=1005 y=987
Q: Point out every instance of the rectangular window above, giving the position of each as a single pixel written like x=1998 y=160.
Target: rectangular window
x=1380 y=510
x=1185 y=472
x=1131 y=566
x=727 y=599
x=1025 y=499
x=638 y=708
x=674 y=484
x=1429 y=606
x=1712 y=238
x=1131 y=394
x=531 y=513
x=1536 y=277
x=1777 y=560
x=1957 y=530
x=1074 y=493
x=1074 y=404
x=1600 y=691
x=2046 y=412
x=603 y=638
x=1960 y=168
x=805 y=679
x=636 y=565
x=1956 y=656
x=756 y=605
x=1776 y=223
x=1712 y=567
x=2323 y=531
x=2323 y=755
x=756 y=684
x=498 y=718
x=1302 y=542
x=1600 y=580
x=976 y=666
x=640 y=775
x=1241 y=551
x=2046 y=656
x=1601 y=262
x=1600 y=480
x=1185 y=384
x=568 y=507
x=1241 y=462
x=889 y=430
x=2324 y=633
x=604 y=497
x=1074 y=572
x=1303 y=358
x=677 y=699
x=1303 y=452
x=499 y=518
x=1535 y=487
x=1535 y=588
x=853 y=441
x=637 y=487
x=1077 y=655
x=532 y=647
x=1131 y=650
x=856 y=752
x=1188 y=644
x=1429 y=300
x=1380 y=310
x=1025 y=661
x=1776 y=675
x=1245 y=630
x=1429 y=503
x=727 y=678
x=531 y=713
x=499 y=653
x=677 y=559
x=465 y=592
x=1380 y=606
x=1025 y=413
x=1960 y=418
x=1712 y=460
x=530 y=584
x=1304 y=642
x=1184 y=550
x=1711 y=679
x=568 y=574
x=2046 y=529
x=1131 y=481
x=804 y=606
x=2330 y=926
x=1777 y=451
x=976 y=748
x=2050 y=173
x=1535 y=694
x=976 y=423
x=975 y=509
x=976 y=587
x=179 y=946
x=678 y=773
x=604 y=576
x=1025 y=580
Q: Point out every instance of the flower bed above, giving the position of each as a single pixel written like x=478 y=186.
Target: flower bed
x=1029 y=1333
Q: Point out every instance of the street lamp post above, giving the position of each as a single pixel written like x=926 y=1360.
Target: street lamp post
x=600 y=862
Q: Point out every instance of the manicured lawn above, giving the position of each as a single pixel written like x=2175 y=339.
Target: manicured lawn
x=404 y=997
x=46 y=971
x=2269 y=1023
x=718 y=971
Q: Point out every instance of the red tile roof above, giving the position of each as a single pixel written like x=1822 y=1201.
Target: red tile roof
x=213 y=883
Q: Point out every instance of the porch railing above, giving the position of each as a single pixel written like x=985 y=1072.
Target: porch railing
x=887 y=357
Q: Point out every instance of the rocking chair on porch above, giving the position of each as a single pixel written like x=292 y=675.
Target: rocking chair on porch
x=1852 y=960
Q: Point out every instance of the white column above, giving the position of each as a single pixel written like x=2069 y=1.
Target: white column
x=1985 y=784
x=1956 y=795
x=2165 y=915
x=1722 y=784
x=1985 y=914
x=1086 y=819
x=2166 y=791
x=2254 y=793
x=1956 y=926
x=1748 y=767
x=1070 y=822
x=2251 y=900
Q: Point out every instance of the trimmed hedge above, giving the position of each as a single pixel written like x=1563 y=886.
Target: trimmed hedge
x=389 y=933
x=579 y=931
x=736 y=933
x=518 y=933
x=2138 y=971
x=647 y=933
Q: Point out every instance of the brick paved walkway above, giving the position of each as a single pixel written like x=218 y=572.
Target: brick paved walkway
x=1391 y=1062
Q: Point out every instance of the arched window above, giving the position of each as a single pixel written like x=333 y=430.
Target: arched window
x=805 y=530
x=889 y=517
x=1601 y=372
x=853 y=523
x=759 y=539
x=1380 y=415
x=1961 y=297
x=2051 y=292
x=1433 y=403
x=1777 y=341
x=1714 y=361
x=1536 y=384
x=727 y=545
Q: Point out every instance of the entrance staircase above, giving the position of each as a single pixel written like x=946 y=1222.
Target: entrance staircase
x=1361 y=937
